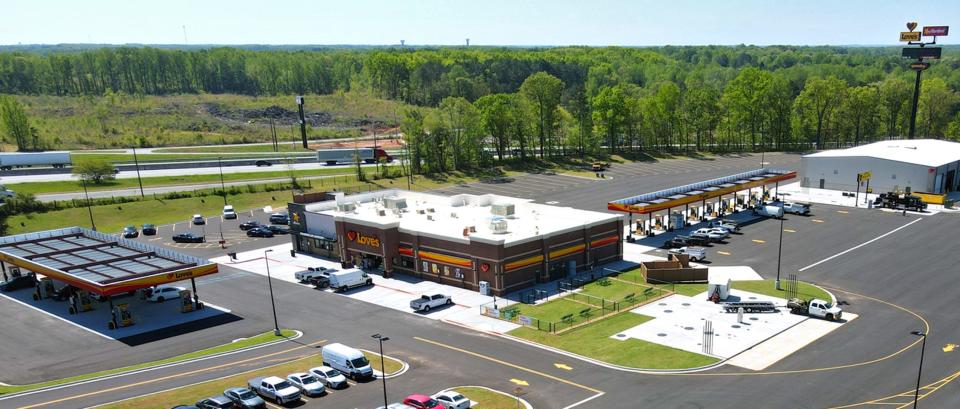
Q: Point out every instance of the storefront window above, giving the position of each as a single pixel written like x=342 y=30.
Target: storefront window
x=446 y=270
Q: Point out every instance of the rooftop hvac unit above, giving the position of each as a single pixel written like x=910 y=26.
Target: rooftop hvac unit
x=473 y=229
x=498 y=226
x=431 y=210
x=381 y=212
x=504 y=209
x=346 y=207
x=430 y=217
x=395 y=203
x=420 y=211
x=453 y=215
x=466 y=231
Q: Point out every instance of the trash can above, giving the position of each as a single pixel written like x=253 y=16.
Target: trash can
x=484 y=288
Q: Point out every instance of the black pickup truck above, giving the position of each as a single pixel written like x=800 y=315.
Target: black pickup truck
x=683 y=241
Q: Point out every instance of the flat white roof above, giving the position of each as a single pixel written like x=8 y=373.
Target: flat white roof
x=446 y=217
x=925 y=152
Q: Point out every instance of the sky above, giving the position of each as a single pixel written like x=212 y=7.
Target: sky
x=484 y=22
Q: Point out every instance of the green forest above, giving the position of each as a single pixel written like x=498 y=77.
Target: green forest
x=465 y=107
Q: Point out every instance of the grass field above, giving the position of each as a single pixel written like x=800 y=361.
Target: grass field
x=190 y=394
x=157 y=181
x=244 y=343
x=112 y=218
x=593 y=340
x=767 y=287
x=488 y=399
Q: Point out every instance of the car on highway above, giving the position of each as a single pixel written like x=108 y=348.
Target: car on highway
x=428 y=301
x=131 y=232
x=452 y=400
x=16 y=283
x=216 y=402
x=330 y=377
x=148 y=230
x=275 y=229
x=259 y=232
x=198 y=219
x=263 y=163
x=308 y=384
x=229 y=213
x=279 y=218
x=245 y=398
x=188 y=238
x=422 y=402
x=162 y=293
x=249 y=224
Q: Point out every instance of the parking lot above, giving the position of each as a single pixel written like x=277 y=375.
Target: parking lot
x=236 y=239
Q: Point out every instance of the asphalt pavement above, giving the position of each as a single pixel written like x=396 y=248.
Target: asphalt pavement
x=896 y=272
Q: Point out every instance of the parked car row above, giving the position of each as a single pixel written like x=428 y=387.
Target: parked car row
x=716 y=231
x=339 y=362
x=442 y=400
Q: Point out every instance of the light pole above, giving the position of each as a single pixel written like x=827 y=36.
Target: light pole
x=223 y=187
x=923 y=346
x=83 y=180
x=136 y=164
x=383 y=371
x=273 y=305
x=779 y=251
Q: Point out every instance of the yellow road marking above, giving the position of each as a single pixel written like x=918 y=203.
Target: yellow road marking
x=514 y=366
x=758 y=241
x=163 y=378
x=899 y=400
x=790 y=230
x=950 y=347
x=842 y=211
x=563 y=366
x=520 y=382
x=723 y=253
x=816 y=221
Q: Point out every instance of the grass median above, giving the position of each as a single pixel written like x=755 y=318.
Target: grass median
x=233 y=346
x=593 y=341
x=192 y=393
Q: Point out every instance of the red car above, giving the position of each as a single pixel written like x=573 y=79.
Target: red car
x=422 y=402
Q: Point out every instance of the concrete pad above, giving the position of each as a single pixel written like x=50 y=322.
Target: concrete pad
x=148 y=317
x=395 y=293
x=734 y=273
x=679 y=320
x=787 y=342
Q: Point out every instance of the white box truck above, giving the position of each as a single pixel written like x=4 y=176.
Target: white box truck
x=339 y=156
x=345 y=280
x=349 y=361
x=10 y=160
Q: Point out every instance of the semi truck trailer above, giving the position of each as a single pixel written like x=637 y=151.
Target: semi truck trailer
x=340 y=156
x=10 y=160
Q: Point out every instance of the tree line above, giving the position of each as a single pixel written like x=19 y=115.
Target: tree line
x=478 y=104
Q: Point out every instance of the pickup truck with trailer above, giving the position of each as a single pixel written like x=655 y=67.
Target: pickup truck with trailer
x=275 y=388
x=681 y=241
x=695 y=253
x=815 y=308
x=428 y=301
x=341 y=156
x=10 y=160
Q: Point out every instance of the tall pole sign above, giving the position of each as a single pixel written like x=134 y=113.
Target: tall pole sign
x=918 y=55
x=303 y=121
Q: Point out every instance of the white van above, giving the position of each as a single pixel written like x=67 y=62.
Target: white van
x=345 y=280
x=769 y=211
x=350 y=361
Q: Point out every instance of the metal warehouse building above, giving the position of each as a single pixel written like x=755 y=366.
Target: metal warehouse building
x=482 y=242
x=923 y=165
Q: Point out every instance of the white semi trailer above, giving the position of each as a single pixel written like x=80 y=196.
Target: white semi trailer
x=10 y=160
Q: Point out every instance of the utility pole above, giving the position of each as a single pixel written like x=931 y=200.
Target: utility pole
x=83 y=180
x=919 y=54
x=223 y=187
x=923 y=347
x=383 y=373
x=303 y=121
x=136 y=164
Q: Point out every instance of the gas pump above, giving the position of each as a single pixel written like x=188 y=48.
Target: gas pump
x=80 y=301
x=14 y=272
x=45 y=289
x=120 y=317
x=186 y=301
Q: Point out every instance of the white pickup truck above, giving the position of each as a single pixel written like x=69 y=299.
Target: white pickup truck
x=275 y=388
x=310 y=272
x=815 y=308
x=695 y=253
x=428 y=301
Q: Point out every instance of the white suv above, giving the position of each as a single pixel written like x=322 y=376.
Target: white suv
x=229 y=213
x=162 y=293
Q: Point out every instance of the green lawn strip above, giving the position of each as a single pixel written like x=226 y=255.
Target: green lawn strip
x=488 y=399
x=112 y=218
x=67 y=186
x=593 y=340
x=614 y=290
x=554 y=310
x=766 y=287
x=391 y=367
x=233 y=346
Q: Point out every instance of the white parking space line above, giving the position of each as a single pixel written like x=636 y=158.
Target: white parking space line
x=860 y=245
